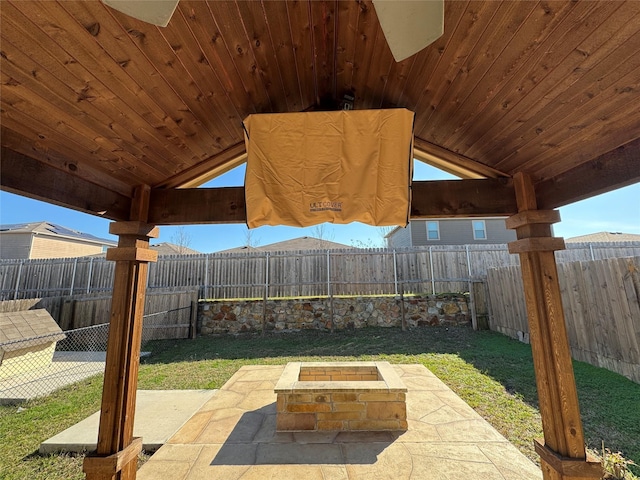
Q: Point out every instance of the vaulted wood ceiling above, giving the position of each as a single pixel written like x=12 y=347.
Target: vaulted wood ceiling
x=95 y=102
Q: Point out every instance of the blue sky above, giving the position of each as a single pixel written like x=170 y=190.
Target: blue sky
x=617 y=211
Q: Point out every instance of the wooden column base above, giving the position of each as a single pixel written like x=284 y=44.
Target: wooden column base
x=566 y=467
x=109 y=465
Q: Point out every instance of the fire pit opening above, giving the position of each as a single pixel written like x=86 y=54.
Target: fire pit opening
x=344 y=396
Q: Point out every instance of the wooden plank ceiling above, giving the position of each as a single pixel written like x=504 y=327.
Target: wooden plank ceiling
x=95 y=102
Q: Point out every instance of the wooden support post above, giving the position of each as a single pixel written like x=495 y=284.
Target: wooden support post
x=563 y=455
x=117 y=452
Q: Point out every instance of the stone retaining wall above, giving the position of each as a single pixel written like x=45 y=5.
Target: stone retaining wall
x=220 y=317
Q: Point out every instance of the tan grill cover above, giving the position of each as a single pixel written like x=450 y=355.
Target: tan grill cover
x=308 y=168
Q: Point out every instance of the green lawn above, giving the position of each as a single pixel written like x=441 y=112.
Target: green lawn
x=490 y=372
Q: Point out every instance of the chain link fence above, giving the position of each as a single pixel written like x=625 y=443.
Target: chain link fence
x=38 y=366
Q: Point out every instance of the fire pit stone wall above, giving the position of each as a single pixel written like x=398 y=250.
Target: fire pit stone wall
x=342 y=396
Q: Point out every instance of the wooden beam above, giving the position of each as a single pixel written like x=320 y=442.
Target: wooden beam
x=463 y=198
x=67 y=159
x=191 y=206
x=452 y=162
x=615 y=169
x=432 y=199
x=25 y=176
x=208 y=169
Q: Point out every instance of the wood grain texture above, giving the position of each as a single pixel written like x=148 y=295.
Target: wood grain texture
x=557 y=393
x=589 y=289
x=615 y=169
x=532 y=217
x=545 y=88
x=197 y=206
x=24 y=175
x=569 y=468
x=109 y=466
x=208 y=168
x=115 y=431
x=430 y=199
x=459 y=198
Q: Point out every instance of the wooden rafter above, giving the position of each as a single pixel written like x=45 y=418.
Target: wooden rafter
x=208 y=169
x=451 y=162
x=25 y=176
x=615 y=169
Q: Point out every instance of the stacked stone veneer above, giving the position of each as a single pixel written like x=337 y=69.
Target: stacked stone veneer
x=340 y=396
x=353 y=312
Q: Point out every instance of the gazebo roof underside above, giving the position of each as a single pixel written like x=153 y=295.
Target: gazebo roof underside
x=95 y=103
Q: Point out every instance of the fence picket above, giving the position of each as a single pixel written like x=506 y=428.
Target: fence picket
x=601 y=297
x=354 y=271
x=601 y=306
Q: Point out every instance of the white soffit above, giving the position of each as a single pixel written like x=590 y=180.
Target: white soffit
x=410 y=25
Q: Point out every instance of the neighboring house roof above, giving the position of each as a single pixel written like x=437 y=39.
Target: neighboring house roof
x=166 y=248
x=301 y=243
x=20 y=330
x=601 y=237
x=390 y=233
x=53 y=230
x=243 y=249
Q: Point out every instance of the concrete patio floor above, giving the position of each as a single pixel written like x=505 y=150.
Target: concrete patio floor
x=233 y=437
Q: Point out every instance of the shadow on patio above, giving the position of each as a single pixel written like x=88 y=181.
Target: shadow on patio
x=233 y=436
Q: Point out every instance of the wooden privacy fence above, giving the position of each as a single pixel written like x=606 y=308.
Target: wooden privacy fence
x=601 y=301
x=167 y=314
x=435 y=269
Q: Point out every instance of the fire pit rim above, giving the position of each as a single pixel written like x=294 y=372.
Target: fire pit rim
x=389 y=380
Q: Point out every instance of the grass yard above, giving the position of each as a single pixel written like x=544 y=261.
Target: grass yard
x=491 y=372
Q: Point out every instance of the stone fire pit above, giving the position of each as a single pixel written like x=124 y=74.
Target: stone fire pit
x=344 y=396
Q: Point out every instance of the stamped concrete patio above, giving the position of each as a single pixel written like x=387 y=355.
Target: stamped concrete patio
x=233 y=436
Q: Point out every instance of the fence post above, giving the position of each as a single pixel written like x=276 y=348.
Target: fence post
x=480 y=304
x=149 y=274
x=472 y=299
x=266 y=293
x=193 y=320
x=206 y=275
x=15 y=293
x=73 y=275
x=329 y=294
x=433 y=280
x=67 y=314
x=89 y=275
x=403 y=319
x=395 y=272
x=591 y=250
